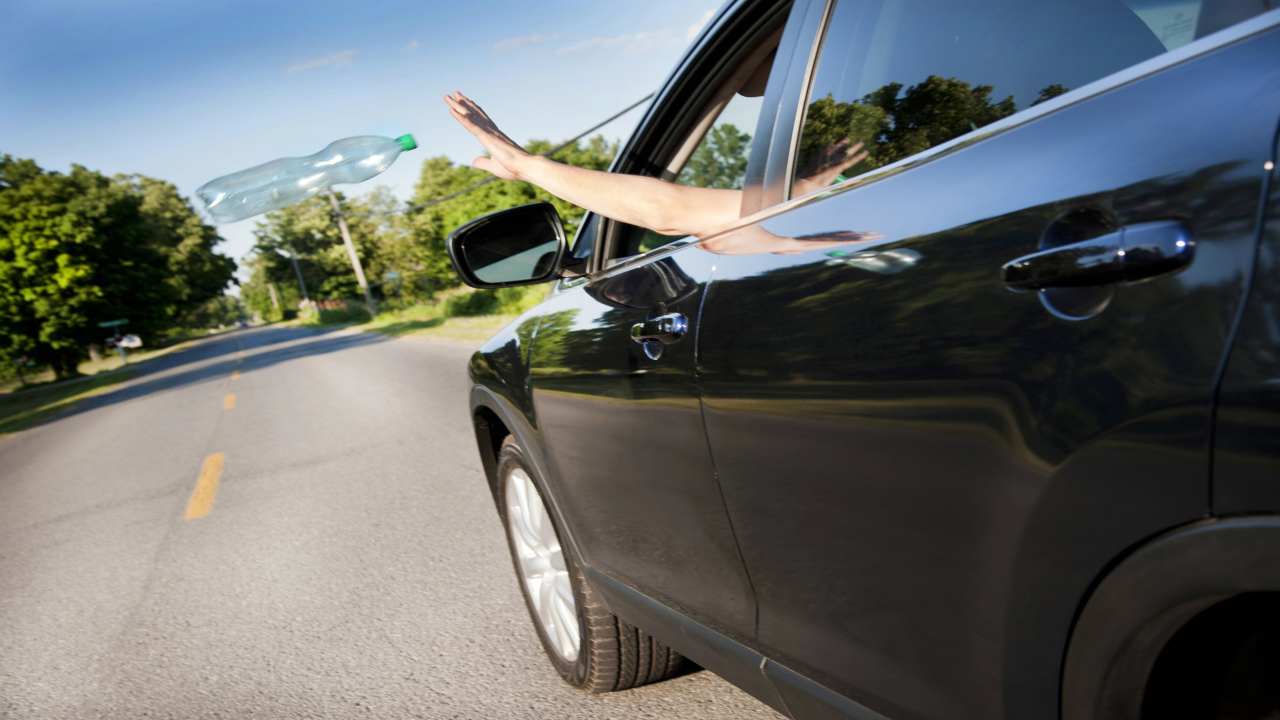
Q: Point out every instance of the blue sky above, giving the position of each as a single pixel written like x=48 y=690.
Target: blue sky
x=187 y=91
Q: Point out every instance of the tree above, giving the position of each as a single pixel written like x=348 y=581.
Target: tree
x=1049 y=92
x=221 y=311
x=197 y=274
x=720 y=160
x=79 y=248
x=430 y=227
x=892 y=124
x=403 y=254
x=256 y=293
x=307 y=231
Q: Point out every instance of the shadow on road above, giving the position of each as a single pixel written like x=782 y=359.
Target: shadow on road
x=226 y=344
x=165 y=372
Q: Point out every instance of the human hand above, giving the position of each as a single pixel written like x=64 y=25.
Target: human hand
x=754 y=239
x=835 y=160
x=504 y=155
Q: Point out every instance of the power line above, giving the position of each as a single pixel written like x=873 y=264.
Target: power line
x=436 y=201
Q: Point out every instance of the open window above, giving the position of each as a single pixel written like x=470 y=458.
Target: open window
x=710 y=146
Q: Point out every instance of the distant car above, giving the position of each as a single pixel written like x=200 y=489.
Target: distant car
x=987 y=428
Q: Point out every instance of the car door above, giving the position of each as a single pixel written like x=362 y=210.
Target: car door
x=927 y=460
x=612 y=382
x=624 y=440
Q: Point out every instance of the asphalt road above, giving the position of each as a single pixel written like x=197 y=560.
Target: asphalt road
x=348 y=562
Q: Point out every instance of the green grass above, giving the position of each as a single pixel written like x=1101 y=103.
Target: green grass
x=44 y=397
x=21 y=409
x=109 y=361
x=461 y=315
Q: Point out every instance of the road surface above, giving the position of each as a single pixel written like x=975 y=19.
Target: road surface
x=277 y=523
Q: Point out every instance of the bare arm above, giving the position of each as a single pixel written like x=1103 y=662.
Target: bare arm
x=663 y=207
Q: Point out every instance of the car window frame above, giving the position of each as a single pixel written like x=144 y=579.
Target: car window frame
x=682 y=102
x=769 y=166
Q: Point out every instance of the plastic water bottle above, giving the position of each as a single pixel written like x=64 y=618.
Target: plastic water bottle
x=282 y=182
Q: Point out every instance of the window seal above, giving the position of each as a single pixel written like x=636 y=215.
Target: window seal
x=634 y=261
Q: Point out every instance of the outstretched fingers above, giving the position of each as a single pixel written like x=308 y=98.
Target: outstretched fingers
x=474 y=119
x=469 y=104
x=474 y=110
x=857 y=158
x=503 y=151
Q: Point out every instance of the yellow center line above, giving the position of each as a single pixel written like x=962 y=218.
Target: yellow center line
x=206 y=489
x=235 y=375
x=229 y=402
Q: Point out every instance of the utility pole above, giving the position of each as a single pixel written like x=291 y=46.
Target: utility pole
x=351 y=253
x=302 y=284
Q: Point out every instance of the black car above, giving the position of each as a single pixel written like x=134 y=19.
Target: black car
x=987 y=426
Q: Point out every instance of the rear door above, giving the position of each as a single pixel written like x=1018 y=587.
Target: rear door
x=925 y=465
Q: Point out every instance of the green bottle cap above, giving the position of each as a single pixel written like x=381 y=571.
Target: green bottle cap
x=407 y=142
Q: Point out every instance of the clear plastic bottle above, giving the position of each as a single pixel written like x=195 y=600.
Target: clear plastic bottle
x=285 y=181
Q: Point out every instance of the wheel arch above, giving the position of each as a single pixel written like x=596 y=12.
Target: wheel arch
x=493 y=417
x=1148 y=596
x=490 y=432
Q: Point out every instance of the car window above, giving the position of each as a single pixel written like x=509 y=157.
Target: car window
x=585 y=242
x=897 y=77
x=718 y=161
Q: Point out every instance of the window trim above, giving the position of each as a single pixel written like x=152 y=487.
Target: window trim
x=776 y=204
x=672 y=101
x=801 y=109
x=789 y=80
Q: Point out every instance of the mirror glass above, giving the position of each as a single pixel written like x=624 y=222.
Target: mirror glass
x=517 y=245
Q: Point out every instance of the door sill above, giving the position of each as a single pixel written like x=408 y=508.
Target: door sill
x=776 y=685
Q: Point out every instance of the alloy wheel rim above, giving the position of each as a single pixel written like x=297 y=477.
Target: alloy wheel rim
x=542 y=566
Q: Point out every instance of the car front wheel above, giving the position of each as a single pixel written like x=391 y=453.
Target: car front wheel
x=589 y=646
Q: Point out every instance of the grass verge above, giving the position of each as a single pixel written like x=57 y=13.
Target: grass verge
x=22 y=407
x=31 y=406
x=461 y=315
x=108 y=362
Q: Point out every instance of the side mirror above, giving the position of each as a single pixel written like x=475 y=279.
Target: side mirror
x=520 y=246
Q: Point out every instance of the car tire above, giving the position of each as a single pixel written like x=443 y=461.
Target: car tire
x=610 y=653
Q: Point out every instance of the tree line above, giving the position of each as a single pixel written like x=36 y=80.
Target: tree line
x=79 y=248
x=403 y=252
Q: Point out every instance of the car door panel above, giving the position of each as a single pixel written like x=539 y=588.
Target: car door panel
x=925 y=469
x=625 y=444
x=1246 y=450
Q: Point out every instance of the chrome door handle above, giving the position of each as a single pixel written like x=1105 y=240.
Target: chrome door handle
x=664 y=329
x=1133 y=252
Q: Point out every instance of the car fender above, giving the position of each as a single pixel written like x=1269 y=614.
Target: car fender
x=527 y=435
x=1148 y=596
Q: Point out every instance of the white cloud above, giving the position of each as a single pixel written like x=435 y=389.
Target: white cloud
x=411 y=45
x=696 y=28
x=626 y=41
x=521 y=41
x=339 y=58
